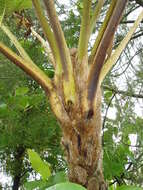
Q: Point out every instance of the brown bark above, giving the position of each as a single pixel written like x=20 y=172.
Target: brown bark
x=82 y=143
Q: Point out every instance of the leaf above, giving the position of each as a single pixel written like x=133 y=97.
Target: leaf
x=50 y=73
x=3 y=105
x=34 y=184
x=2 y=10
x=21 y=91
x=17 y=5
x=38 y=165
x=124 y=187
x=59 y=177
x=108 y=94
x=4 y=112
x=66 y=186
x=114 y=57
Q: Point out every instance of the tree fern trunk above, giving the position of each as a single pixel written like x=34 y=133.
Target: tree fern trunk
x=82 y=143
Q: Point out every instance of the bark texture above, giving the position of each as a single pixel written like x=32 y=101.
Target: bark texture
x=82 y=142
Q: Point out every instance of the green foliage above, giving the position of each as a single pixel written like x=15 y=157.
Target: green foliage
x=7 y=7
x=41 y=167
x=35 y=184
x=21 y=91
x=114 y=160
x=17 y=5
x=59 y=177
x=71 y=27
x=25 y=116
x=65 y=186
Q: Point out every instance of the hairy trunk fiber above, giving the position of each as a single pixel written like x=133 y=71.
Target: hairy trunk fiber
x=82 y=142
x=18 y=167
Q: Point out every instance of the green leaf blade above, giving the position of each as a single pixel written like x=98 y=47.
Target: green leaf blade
x=38 y=165
x=21 y=91
x=66 y=186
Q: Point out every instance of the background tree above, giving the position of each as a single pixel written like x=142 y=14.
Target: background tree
x=24 y=110
x=86 y=115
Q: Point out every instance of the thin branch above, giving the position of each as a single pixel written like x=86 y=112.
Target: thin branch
x=44 y=44
x=140 y=2
x=30 y=68
x=134 y=7
x=129 y=145
x=137 y=36
x=84 y=30
x=102 y=49
x=123 y=22
x=127 y=63
x=122 y=175
x=125 y=93
x=108 y=106
x=104 y=120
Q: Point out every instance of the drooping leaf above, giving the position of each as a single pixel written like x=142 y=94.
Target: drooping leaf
x=66 y=186
x=38 y=165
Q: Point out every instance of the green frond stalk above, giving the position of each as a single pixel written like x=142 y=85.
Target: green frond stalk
x=96 y=14
x=102 y=30
x=84 y=30
x=30 y=68
x=18 y=46
x=95 y=70
x=68 y=79
x=114 y=57
x=44 y=44
x=49 y=35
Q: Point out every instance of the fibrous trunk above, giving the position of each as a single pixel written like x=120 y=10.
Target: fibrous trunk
x=81 y=127
x=82 y=143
